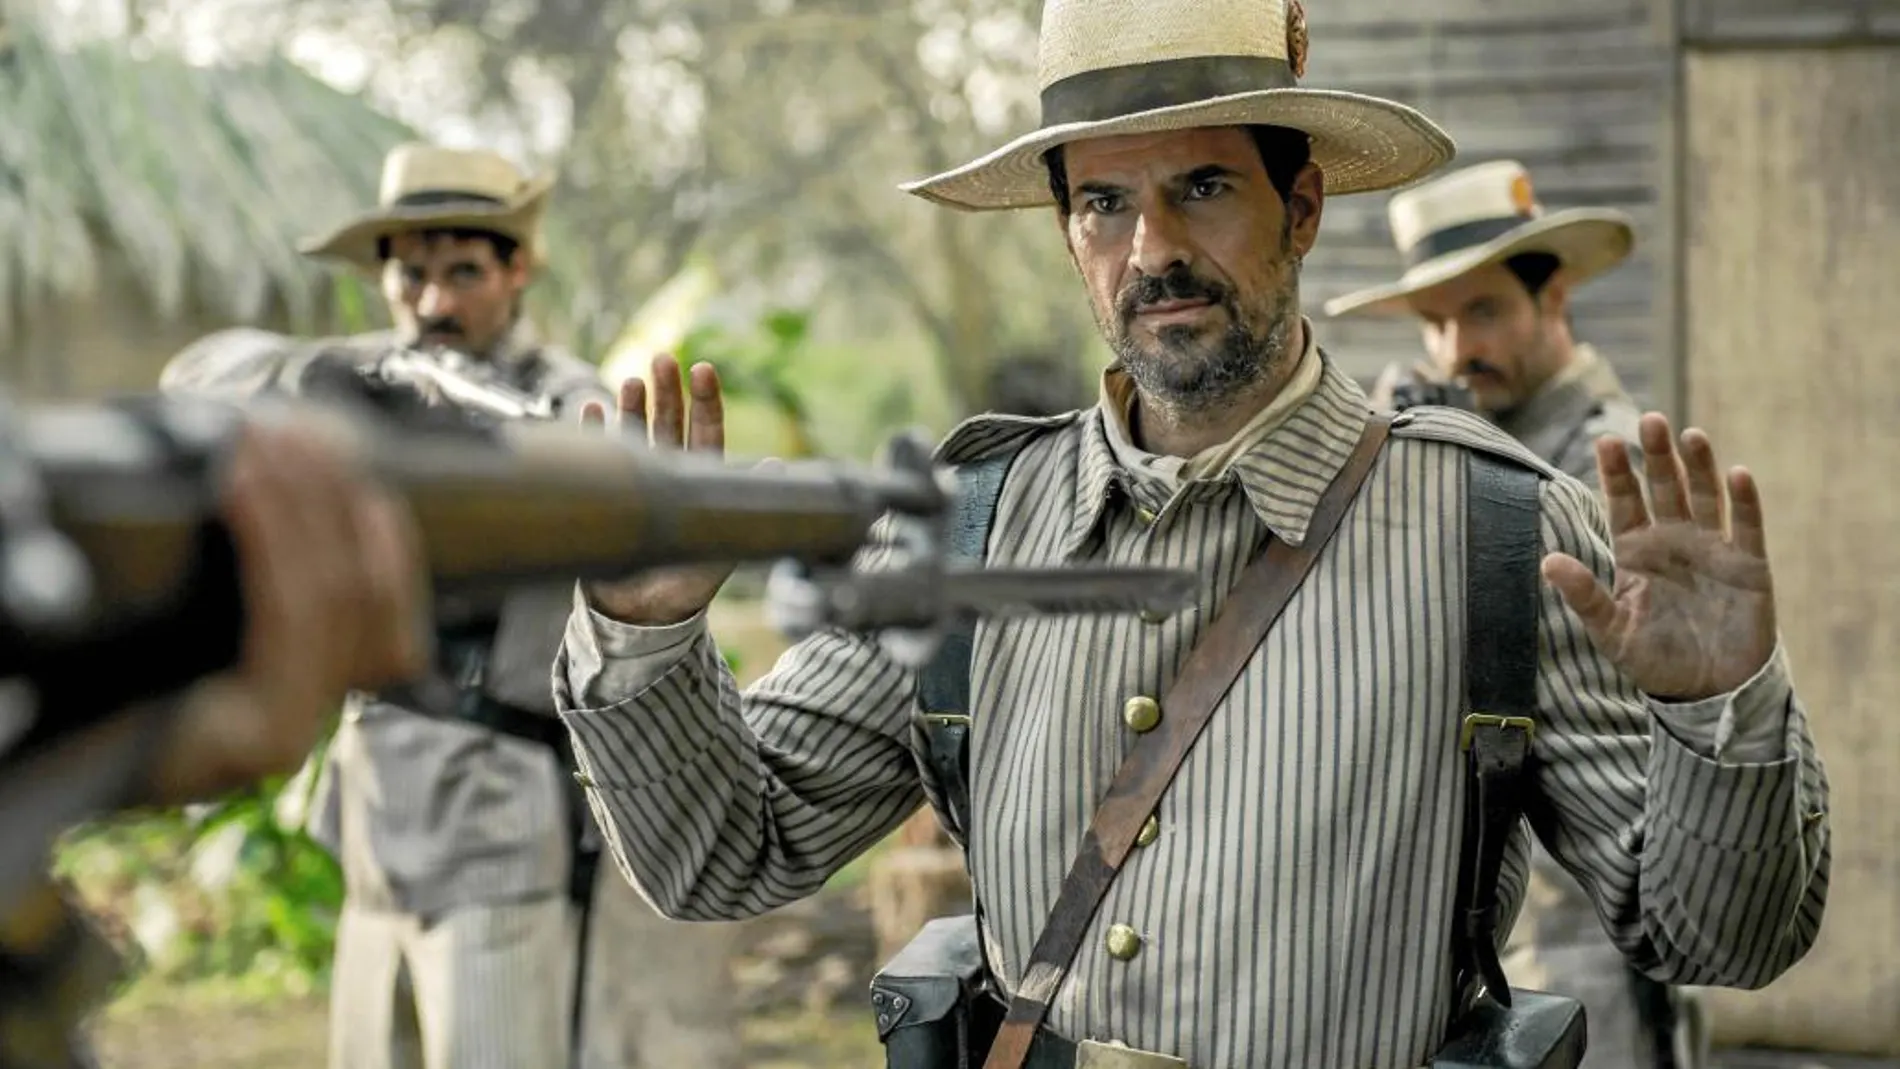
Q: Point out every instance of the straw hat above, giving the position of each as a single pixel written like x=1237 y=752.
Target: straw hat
x=1109 y=67
x=1484 y=215
x=425 y=186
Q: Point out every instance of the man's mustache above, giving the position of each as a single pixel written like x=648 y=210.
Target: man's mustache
x=1179 y=284
x=445 y=325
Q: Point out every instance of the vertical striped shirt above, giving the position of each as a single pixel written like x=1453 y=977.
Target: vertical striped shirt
x=1296 y=908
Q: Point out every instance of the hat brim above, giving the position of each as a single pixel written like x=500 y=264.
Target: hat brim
x=1360 y=143
x=1587 y=241
x=357 y=242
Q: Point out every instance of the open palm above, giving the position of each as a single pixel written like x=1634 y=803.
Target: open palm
x=1692 y=612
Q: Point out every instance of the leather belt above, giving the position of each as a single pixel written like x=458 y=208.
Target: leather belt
x=1050 y=1051
x=1047 y=1050
x=456 y=692
x=483 y=711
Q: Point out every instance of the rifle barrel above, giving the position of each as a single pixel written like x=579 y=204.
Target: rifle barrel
x=134 y=487
x=517 y=503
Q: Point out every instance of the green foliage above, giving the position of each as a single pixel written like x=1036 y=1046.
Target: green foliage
x=228 y=891
x=354 y=303
x=758 y=368
x=792 y=394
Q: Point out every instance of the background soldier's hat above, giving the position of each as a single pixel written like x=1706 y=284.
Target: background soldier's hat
x=1109 y=67
x=1484 y=215
x=428 y=187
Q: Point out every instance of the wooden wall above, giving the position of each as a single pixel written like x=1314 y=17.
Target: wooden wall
x=1791 y=328
x=1778 y=23
x=1570 y=90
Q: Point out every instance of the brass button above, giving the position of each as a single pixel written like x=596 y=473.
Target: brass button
x=1123 y=943
x=1141 y=713
x=1145 y=514
x=1149 y=832
x=583 y=779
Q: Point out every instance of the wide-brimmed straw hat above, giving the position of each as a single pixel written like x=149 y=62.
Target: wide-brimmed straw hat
x=1484 y=215
x=1110 y=67
x=429 y=187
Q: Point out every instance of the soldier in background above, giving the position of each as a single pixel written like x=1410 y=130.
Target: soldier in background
x=475 y=905
x=1489 y=276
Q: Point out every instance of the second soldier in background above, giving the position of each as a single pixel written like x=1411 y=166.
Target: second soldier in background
x=474 y=906
x=1489 y=276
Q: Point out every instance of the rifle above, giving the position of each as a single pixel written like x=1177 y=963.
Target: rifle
x=119 y=583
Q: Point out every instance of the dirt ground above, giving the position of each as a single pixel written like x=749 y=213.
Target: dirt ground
x=196 y=1030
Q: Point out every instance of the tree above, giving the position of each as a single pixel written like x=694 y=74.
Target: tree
x=766 y=133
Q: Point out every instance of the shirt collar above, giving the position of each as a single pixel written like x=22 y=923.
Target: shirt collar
x=1283 y=473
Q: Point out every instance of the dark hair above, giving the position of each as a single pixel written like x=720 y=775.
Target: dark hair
x=505 y=246
x=1533 y=269
x=1283 y=150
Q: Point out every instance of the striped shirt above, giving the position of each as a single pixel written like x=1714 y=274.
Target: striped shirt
x=1296 y=908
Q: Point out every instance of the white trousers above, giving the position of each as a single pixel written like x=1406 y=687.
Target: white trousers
x=492 y=988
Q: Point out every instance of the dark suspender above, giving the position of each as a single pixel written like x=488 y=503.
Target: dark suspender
x=943 y=685
x=1503 y=545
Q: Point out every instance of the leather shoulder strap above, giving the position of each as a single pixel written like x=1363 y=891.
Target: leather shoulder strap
x=1503 y=545
x=1223 y=651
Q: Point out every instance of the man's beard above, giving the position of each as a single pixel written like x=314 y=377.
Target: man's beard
x=1190 y=370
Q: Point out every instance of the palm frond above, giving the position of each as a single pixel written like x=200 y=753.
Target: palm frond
x=201 y=180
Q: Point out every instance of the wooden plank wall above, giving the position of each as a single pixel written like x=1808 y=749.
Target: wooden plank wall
x=1791 y=177
x=1781 y=22
x=1571 y=90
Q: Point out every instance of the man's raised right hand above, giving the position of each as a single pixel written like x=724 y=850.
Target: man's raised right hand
x=665 y=595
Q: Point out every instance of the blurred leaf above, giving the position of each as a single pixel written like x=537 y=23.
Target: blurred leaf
x=352 y=310
x=788 y=327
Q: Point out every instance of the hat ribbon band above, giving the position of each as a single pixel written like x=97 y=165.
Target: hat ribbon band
x=429 y=198
x=1113 y=92
x=1463 y=236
